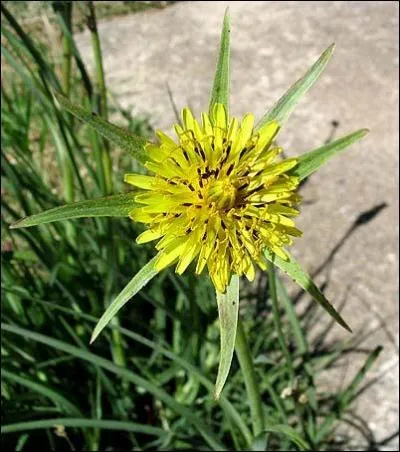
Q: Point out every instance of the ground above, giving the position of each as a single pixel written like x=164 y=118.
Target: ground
x=273 y=43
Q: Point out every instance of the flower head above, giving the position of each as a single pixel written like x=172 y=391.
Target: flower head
x=217 y=195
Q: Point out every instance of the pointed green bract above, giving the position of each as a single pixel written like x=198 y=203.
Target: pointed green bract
x=132 y=288
x=228 y=310
x=110 y=206
x=220 y=90
x=313 y=160
x=283 y=108
x=126 y=140
x=303 y=279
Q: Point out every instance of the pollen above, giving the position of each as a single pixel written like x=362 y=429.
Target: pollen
x=217 y=195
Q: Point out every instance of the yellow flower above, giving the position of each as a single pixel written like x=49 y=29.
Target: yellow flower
x=217 y=195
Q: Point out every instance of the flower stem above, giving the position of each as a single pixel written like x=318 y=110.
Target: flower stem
x=102 y=91
x=64 y=11
x=277 y=320
x=246 y=364
x=67 y=49
x=104 y=161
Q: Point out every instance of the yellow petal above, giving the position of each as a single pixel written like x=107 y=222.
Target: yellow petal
x=188 y=254
x=139 y=180
x=266 y=134
x=187 y=119
x=169 y=255
x=148 y=236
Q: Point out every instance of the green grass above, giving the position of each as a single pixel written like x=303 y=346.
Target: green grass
x=148 y=380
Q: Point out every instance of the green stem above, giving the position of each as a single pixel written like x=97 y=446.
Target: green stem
x=64 y=10
x=106 y=170
x=277 y=319
x=101 y=86
x=67 y=50
x=246 y=364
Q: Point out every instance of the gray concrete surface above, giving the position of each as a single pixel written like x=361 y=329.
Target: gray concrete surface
x=273 y=43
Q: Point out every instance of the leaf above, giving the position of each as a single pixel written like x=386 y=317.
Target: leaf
x=220 y=90
x=44 y=67
x=132 y=288
x=110 y=206
x=284 y=430
x=297 y=329
x=229 y=409
x=228 y=309
x=123 y=373
x=283 y=108
x=349 y=394
x=313 y=160
x=303 y=279
x=43 y=390
x=83 y=423
x=117 y=135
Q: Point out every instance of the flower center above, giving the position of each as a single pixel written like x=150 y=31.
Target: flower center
x=222 y=193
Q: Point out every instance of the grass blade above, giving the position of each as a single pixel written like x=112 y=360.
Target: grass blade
x=135 y=284
x=110 y=206
x=298 y=332
x=247 y=368
x=83 y=423
x=56 y=397
x=303 y=279
x=349 y=393
x=126 y=140
x=283 y=108
x=228 y=309
x=287 y=431
x=313 y=160
x=277 y=319
x=123 y=373
x=347 y=396
x=230 y=410
x=46 y=72
x=220 y=90
x=67 y=34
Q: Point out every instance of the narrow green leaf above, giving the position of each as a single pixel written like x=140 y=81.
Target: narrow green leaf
x=220 y=90
x=303 y=279
x=284 y=430
x=313 y=160
x=157 y=391
x=228 y=309
x=346 y=397
x=132 y=288
x=276 y=314
x=117 y=135
x=349 y=393
x=43 y=390
x=283 y=108
x=231 y=412
x=21 y=442
x=45 y=69
x=110 y=206
x=298 y=332
x=83 y=423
